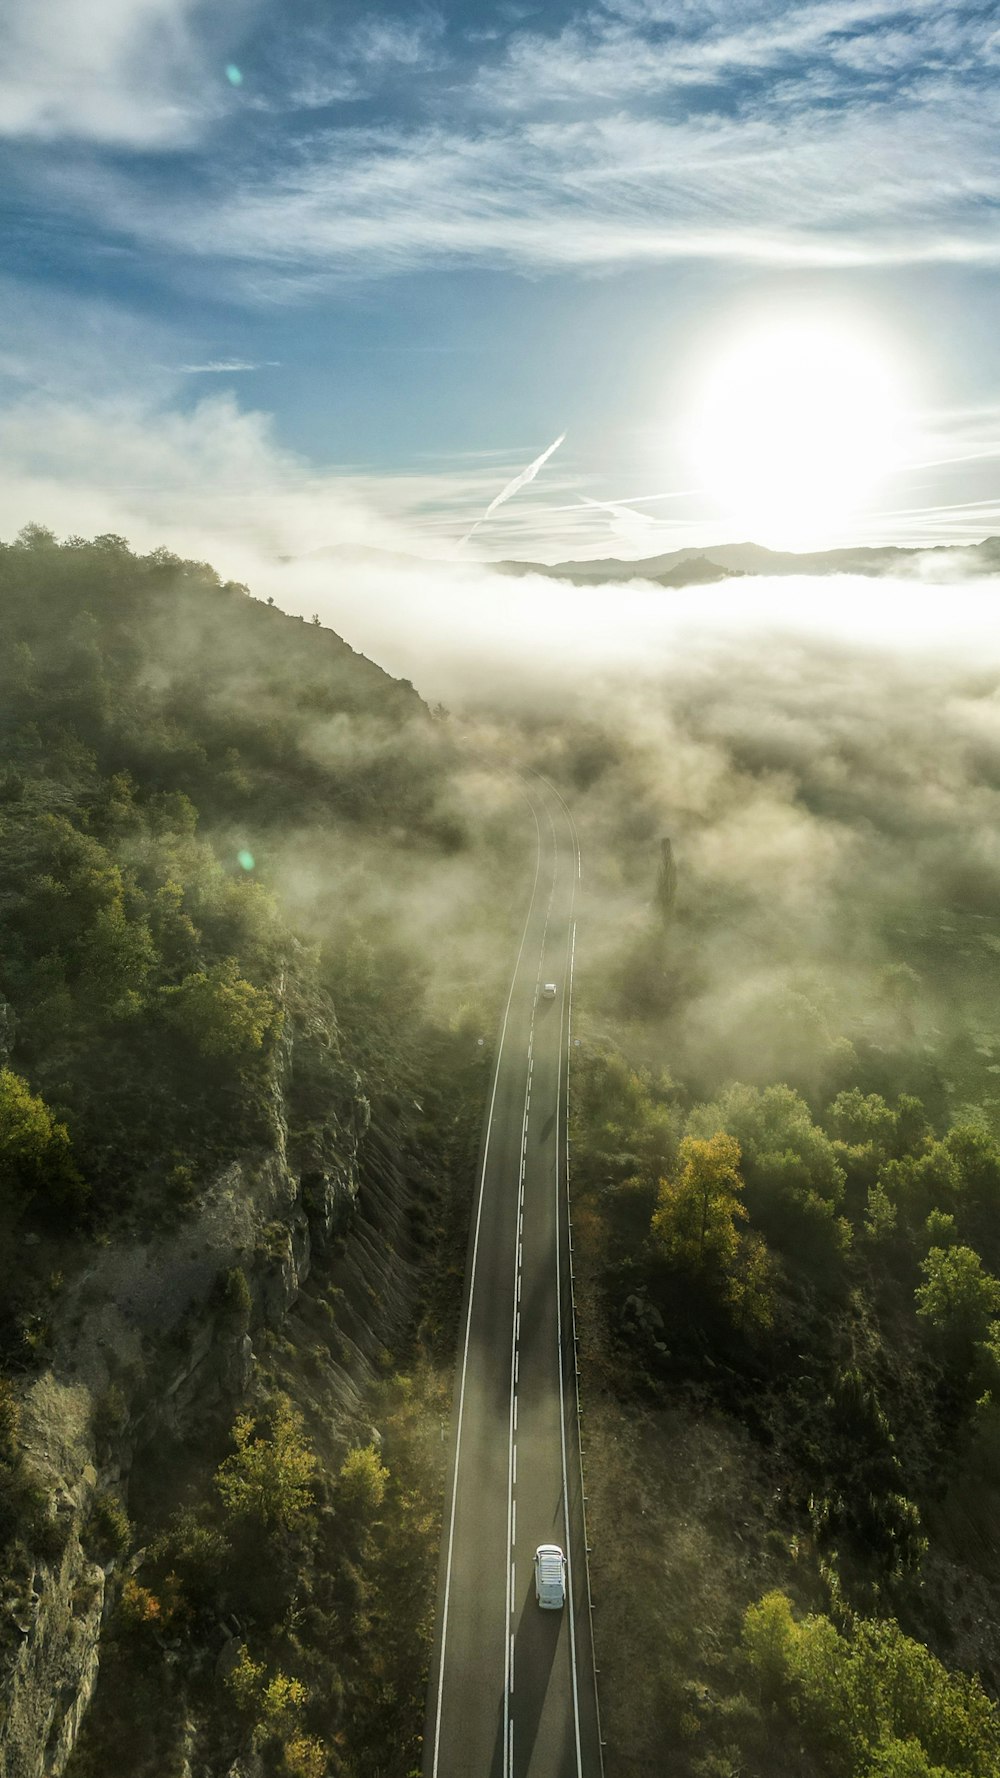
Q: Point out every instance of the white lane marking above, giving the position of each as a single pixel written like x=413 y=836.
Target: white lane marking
x=515 y=1466
x=576 y=1374
x=564 y=1105
x=519 y=1255
x=569 y=816
x=472 y=1291
x=513 y=1528
x=512 y=1666
x=512 y=1425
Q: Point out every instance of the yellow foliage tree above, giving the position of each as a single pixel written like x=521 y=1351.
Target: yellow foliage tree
x=696 y=1226
x=269 y=1479
x=695 y=1221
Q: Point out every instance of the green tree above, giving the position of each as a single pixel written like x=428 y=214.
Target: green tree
x=116 y=956
x=922 y=1182
x=794 y=1181
x=36 y=1156
x=856 y=1117
x=957 y=1299
x=869 y=1703
x=220 y=1014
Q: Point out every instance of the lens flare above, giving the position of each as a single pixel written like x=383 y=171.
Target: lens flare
x=246 y=860
x=233 y=75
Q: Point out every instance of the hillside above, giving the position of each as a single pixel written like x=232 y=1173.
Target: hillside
x=232 y=1127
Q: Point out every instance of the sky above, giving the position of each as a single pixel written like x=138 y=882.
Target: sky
x=341 y=272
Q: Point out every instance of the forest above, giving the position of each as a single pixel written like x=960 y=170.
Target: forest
x=258 y=902
x=233 y=1123
x=786 y=1205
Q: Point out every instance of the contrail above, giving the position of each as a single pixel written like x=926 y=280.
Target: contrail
x=514 y=487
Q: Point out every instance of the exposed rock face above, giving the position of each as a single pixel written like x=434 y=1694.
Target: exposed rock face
x=55 y=1670
x=145 y=1346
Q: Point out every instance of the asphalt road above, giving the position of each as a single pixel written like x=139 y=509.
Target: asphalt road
x=512 y=1688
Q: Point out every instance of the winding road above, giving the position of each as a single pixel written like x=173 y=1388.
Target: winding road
x=512 y=1689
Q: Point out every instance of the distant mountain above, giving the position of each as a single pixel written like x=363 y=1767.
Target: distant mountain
x=689 y=567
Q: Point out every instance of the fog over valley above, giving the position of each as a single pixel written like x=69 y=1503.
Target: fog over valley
x=499 y=890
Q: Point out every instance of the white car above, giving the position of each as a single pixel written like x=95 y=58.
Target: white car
x=549 y=991
x=550 y=1577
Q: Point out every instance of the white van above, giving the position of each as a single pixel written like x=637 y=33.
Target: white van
x=550 y=1577
x=549 y=991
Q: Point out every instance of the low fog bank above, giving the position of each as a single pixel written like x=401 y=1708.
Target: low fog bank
x=464 y=634
x=834 y=818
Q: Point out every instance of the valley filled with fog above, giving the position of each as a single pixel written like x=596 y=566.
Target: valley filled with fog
x=267 y=853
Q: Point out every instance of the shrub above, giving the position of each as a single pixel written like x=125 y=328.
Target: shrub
x=304 y=1757
x=361 y=1483
x=110 y=1526
x=139 y=1606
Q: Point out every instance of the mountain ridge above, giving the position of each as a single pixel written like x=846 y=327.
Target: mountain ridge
x=687 y=567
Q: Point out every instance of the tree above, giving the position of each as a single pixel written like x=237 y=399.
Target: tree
x=856 y=1117
x=221 y=1015
x=871 y=1703
x=116 y=956
x=36 y=1156
x=794 y=1181
x=694 y=1224
x=920 y=1183
x=362 y=1481
x=958 y=1299
x=269 y=1479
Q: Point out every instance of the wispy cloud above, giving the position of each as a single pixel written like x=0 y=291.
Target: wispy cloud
x=226 y=366
x=839 y=133
x=351 y=64
x=875 y=186
x=624 y=50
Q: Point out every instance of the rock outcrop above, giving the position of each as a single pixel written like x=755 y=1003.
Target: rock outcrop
x=147 y=1346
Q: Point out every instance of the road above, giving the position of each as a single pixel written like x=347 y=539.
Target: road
x=512 y=1689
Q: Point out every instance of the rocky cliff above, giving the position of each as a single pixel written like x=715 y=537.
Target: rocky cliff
x=147 y=1350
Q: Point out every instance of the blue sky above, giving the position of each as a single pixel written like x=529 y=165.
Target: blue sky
x=381 y=258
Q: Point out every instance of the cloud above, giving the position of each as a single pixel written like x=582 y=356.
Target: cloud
x=840 y=133
x=351 y=64
x=214 y=484
x=220 y=366
x=618 y=51
x=126 y=72
x=911 y=183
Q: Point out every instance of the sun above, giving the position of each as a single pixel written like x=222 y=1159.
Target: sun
x=796 y=424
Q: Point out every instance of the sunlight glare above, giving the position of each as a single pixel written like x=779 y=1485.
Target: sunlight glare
x=797 y=423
